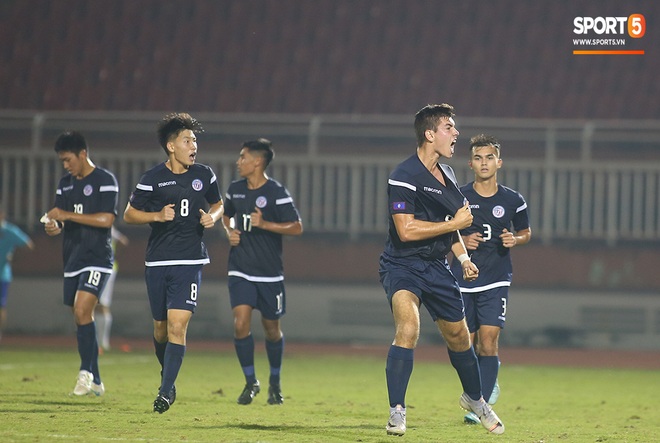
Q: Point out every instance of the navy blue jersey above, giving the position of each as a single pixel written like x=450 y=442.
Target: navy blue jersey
x=506 y=209
x=412 y=189
x=258 y=257
x=87 y=248
x=176 y=242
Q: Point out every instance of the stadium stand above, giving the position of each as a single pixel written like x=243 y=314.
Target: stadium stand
x=327 y=56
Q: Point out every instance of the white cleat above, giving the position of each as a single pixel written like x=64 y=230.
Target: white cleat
x=397 y=423
x=487 y=416
x=97 y=390
x=471 y=419
x=84 y=383
x=495 y=394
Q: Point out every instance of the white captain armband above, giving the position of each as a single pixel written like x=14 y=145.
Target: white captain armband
x=463 y=257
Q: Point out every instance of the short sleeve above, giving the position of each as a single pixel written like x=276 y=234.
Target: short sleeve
x=401 y=197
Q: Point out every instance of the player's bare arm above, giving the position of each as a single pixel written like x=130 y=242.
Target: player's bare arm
x=208 y=219
x=411 y=229
x=97 y=220
x=233 y=235
x=510 y=239
x=470 y=270
x=284 y=228
x=52 y=228
x=137 y=217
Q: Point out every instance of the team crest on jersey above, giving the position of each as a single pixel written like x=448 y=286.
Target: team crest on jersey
x=498 y=211
x=197 y=184
x=87 y=190
x=261 y=202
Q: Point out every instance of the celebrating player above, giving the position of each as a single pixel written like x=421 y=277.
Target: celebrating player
x=173 y=197
x=500 y=223
x=426 y=211
x=258 y=212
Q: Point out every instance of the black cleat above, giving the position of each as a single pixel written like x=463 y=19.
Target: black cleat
x=249 y=392
x=172 y=395
x=275 y=395
x=161 y=404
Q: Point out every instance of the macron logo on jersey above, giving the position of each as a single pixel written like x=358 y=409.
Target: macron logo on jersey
x=399 y=206
x=437 y=191
x=168 y=183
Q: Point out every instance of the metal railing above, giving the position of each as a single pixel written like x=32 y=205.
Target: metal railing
x=348 y=195
x=576 y=199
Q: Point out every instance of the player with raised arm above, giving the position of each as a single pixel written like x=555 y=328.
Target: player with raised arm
x=500 y=223
x=85 y=209
x=179 y=199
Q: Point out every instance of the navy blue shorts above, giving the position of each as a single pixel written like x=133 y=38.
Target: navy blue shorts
x=269 y=298
x=486 y=307
x=88 y=281
x=431 y=281
x=172 y=287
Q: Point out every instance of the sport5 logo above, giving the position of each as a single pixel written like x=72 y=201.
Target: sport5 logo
x=634 y=25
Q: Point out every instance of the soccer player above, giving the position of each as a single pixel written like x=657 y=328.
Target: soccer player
x=426 y=211
x=11 y=237
x=258 y=212
x=179 y=198
x=102 y=313
x=500 y=223
x=85 y=209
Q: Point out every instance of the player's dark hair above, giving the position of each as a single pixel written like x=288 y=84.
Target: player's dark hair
x=428 y=118
x=481 y=140
x=172 y=124
x=71 y=141
x=262 y=147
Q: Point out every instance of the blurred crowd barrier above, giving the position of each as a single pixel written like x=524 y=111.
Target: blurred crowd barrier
x=583 y=180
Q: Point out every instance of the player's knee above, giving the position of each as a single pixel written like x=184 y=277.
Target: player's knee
x=488 y=348
x=457 y=339
x=406 y=337
x=488 y=340
x=82 y=316
x=458 y=343
x=241 y=328
x=273 y=335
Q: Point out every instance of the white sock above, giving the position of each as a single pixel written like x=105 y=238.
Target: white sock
x=105 y=343
x=99 y=321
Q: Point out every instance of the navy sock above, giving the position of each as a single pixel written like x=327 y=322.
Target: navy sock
x=159 y=349
x=88 y=349
x=245 y=353
x=173 y=359
x=398 y=370
x=467 y=367
x=275 y=350
x=95 y=362
x=489 y=367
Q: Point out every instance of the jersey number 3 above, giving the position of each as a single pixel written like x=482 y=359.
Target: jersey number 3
x=488 y=232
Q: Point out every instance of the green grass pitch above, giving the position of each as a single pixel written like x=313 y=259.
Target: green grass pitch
x=328 y=398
